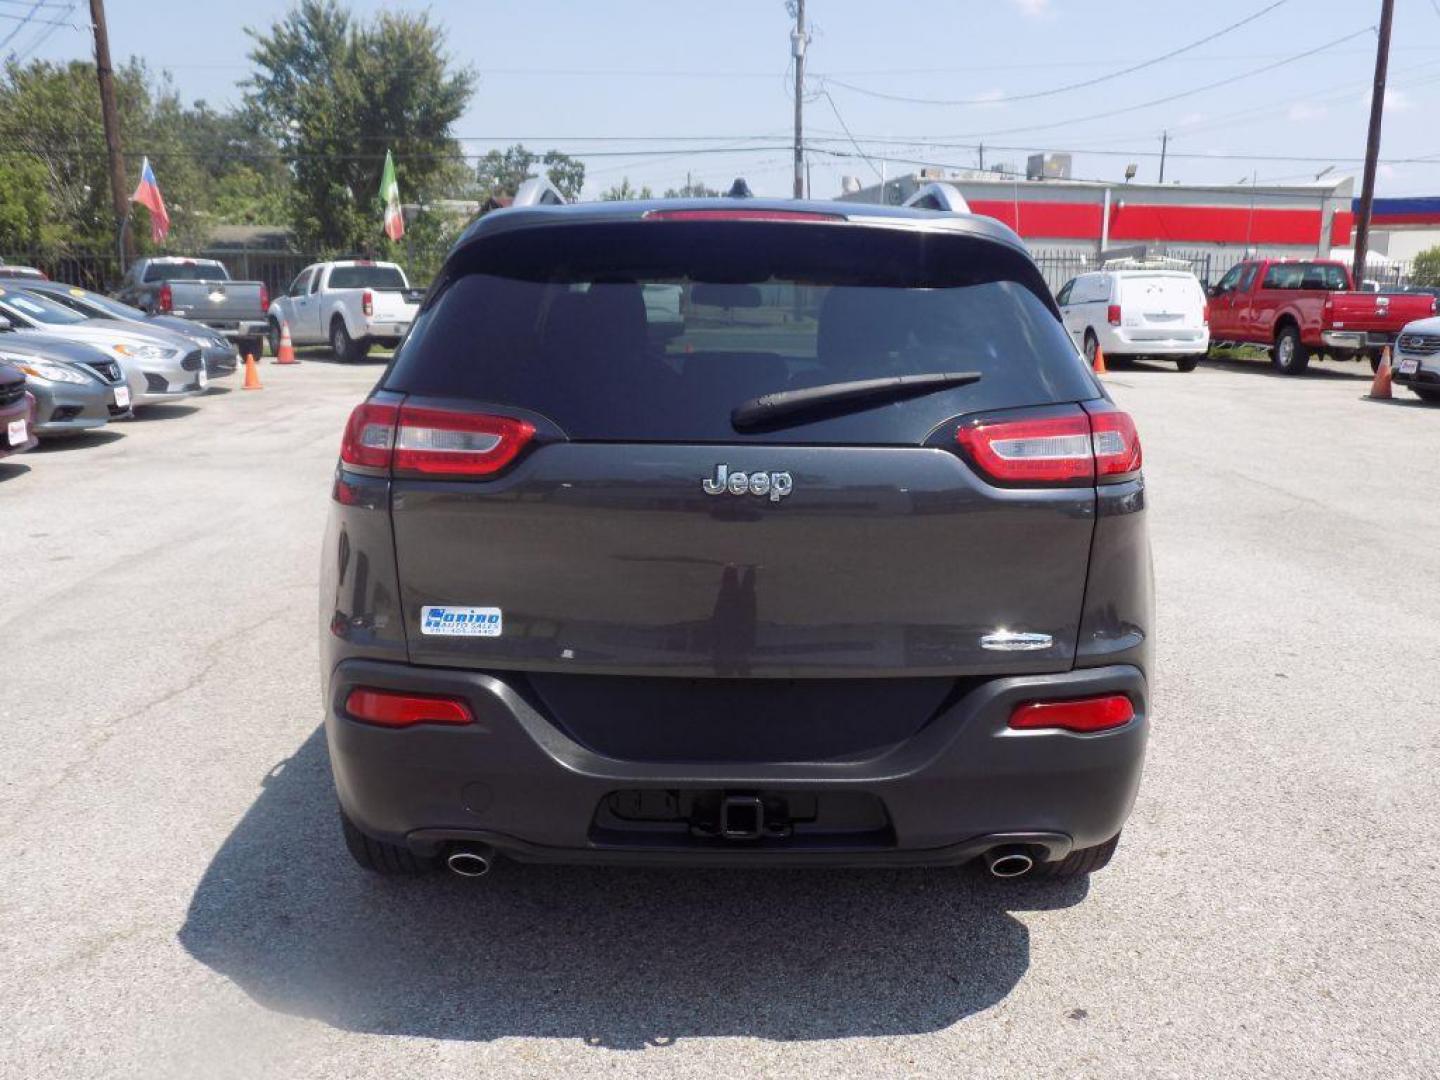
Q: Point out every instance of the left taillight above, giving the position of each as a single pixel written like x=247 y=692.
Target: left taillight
x=369 y=438
x=367 y=302
x=397 y=709
x=264 y=297
x=1112 y=314
x=418 y=441
x=1068 y=449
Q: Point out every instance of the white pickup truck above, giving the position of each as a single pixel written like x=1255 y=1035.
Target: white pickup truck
x=352 y=304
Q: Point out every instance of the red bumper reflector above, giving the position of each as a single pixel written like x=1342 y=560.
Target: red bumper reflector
x=1087 y=714
x=391 y=708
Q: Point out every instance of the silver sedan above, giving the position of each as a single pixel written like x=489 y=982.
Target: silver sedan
x=76 y=388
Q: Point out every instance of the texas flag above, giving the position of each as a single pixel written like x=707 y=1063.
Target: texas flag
x=148 y=195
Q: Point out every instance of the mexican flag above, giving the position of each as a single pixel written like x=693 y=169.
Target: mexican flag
x=390 y=194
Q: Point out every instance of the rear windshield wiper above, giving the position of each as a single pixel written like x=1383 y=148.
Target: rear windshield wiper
x=833 y=399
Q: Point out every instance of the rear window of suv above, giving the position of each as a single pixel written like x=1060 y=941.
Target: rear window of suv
x=647 y=331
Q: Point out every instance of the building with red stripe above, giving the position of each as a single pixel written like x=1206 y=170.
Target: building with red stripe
x=1087 y=217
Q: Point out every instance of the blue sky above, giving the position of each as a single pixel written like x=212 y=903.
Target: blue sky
x=643 y=86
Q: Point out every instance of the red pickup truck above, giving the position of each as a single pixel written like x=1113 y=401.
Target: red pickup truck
x=1302 y=307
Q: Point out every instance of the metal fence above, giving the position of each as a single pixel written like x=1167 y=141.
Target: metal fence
x=1058 y=267
x=100 y=270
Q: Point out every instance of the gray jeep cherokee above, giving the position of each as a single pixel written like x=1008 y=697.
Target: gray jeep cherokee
x=848 y=568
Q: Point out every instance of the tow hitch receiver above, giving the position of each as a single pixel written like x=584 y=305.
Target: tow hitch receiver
x=742 y=817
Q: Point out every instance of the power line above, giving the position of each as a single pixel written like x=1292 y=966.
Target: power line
x=1167 y=99
x=1071 y=86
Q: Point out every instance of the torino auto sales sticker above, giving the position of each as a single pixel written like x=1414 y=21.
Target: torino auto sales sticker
x=461 y=621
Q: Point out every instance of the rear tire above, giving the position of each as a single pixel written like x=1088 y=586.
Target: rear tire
x=346 y=349
x=1427 y=393
x=1091 y=345
x=1289 y=356
x=251 y=347
x=1187 y=363
x=1080 y=862
x=274 y=336
x=378 y=857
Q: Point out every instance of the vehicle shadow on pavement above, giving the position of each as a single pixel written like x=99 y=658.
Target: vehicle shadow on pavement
x=618 y=958
x=12 y=470
x=146 y=413
x=85 y=441
x=1354 y=371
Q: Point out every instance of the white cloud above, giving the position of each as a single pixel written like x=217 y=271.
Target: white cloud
x=1191 y=118
x=1395 y=100
x=1302 y=111
x=990 y=99
x=1032 y=9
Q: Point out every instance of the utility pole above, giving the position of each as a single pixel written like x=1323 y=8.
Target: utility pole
x=1372 y=144
x=111 y=119
x=982 y=156
x=797 y=52
x=1164 y=143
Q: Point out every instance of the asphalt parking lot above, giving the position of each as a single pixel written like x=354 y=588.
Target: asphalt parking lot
x=177 y=901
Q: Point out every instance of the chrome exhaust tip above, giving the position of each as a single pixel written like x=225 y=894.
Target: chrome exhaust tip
x=468 y=862
x=1008 y=862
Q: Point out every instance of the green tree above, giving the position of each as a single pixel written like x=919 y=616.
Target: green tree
x=625 y=190
x=501 y=172
x=695 y=189
x=334 y=94
x=50 y=118
x=1425 y=269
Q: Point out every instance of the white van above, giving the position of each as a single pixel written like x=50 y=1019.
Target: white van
x=1141 y=312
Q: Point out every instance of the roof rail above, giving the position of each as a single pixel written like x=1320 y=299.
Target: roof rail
x=538 y=191
x=937 y=196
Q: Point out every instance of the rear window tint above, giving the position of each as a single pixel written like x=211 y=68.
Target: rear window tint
x=655 y=332
x=366 y=277
x=200 y=270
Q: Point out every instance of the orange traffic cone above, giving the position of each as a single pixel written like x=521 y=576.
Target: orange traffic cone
x=1099 y=360
x=252 y=374
x=1380 y=388
x=286 y=355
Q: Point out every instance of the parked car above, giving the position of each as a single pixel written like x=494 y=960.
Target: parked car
x=21 y=273
x=1145 y=311
x=17 y=412
x=853 y=570
x=201 y=291
x=1299 y=307
x=1417 y=358
x=353 y=305
x=158 y=365
x=221 y=358
x=77 y=387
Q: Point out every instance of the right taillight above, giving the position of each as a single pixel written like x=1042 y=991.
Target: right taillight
x=1070 y=449
x=1083 y=715
x=166 y=298
x=1112 y=314
x=1116 y=443
x=417 y=441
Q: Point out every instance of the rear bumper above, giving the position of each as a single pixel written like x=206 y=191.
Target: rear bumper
x=1184 y=343
x=963 y=783
x=1358 y=339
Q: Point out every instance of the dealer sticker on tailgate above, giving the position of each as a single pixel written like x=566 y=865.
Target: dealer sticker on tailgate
x=461 y=621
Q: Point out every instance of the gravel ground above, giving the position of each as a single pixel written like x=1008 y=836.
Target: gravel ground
x=176 y=902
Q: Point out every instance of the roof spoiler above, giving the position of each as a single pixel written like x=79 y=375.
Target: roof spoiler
x=538 y=191
x=936 y=196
